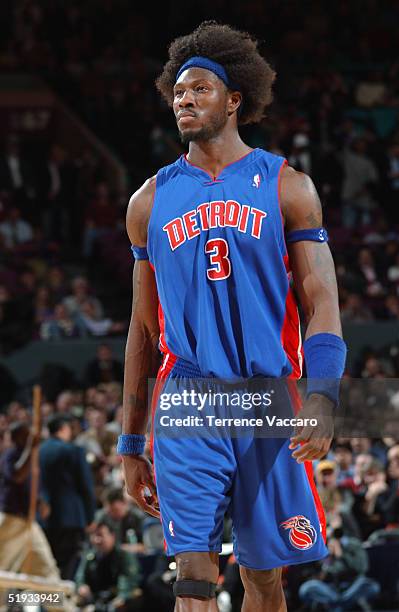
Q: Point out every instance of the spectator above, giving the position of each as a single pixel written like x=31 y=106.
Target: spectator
x=68 y=489
x=104 y=368
x=101 y=217
x=80 y=295
x=43 y=306
x=334 y=497
x=343 y=457
x=16 y=176
x=65 y=402
x=55 y=281
x=300 y=157
x=393 y=273
x=360 y=175
x=54 y=190
x=95 y=326
x=355 y=311
x=124 y=518
x=372 y=500
x=23 y=547
x=62 y=326
x=371 y=92
x=15 y=231
x=342 y=582
x=367 y=268
x=392 y=307
x=108 y=577
x=97 y=439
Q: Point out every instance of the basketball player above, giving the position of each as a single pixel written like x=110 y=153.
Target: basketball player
x=216 y=236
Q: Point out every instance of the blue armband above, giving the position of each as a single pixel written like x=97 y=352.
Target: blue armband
x=325 y=356
x=318 y=234
x=130 y=444
x=139 y=252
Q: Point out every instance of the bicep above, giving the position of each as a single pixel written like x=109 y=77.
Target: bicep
x=311 y=261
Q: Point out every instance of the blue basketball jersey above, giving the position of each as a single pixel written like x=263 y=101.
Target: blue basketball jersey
x=220 y=259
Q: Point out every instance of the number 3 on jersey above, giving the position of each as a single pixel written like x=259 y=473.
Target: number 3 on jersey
x=218 y=250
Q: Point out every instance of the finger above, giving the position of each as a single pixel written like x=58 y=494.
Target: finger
x=297 y=439
x=150 y=484
x=149 y=505
x=306 y=451
x=139 y=497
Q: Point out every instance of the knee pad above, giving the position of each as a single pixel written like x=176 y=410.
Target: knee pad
x=194 y=588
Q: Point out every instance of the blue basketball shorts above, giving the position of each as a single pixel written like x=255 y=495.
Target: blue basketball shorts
x=201 y=476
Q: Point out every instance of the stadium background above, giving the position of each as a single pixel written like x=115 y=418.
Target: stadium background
x=82 y=126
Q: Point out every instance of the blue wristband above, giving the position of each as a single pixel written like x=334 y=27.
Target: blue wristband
x=130 y=444
x=325 y=356
x=139 y=252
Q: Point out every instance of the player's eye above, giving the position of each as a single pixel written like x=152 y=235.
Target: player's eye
x=179 y=92
x=201 y=88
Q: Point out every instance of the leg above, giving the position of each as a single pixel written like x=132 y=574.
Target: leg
x=263 y=590
x=197 y=566
x=361 y=589
x=316 y=591
x=39 y=559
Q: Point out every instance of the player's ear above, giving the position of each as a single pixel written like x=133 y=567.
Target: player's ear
x=234 y=101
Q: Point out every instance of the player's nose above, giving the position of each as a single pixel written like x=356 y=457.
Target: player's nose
x=186 y=99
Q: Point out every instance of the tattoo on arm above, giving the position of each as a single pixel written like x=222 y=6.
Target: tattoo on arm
x=313 y=219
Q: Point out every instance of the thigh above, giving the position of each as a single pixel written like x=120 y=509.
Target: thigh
x=276 y=513
x=14 y=541
x=193 y=474
x=43 y=561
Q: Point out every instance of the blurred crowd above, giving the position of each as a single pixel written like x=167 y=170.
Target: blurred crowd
x=65 y=272
x=334 y=117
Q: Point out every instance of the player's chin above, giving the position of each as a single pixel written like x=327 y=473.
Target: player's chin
x=188 y=135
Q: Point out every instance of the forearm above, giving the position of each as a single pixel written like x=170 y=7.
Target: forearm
x=324 y=316
x=141 y=364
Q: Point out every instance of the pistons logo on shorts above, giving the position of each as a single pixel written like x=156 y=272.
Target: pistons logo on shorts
x=302 y=534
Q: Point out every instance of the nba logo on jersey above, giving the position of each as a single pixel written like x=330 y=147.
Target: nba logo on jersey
x=302 y=534
x=171 y=529
x=256 y=181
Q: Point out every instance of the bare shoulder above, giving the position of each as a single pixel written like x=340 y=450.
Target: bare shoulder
x=300 y=202
x=139 y=211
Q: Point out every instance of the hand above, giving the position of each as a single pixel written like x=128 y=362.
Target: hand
x=375 y=488
x=84 y=591
x=314 y=440
x=117 y=603
x=44 y=509
x=138 y=473
x=335 y=548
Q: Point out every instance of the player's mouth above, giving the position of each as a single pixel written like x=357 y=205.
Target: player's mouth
x=185 y=118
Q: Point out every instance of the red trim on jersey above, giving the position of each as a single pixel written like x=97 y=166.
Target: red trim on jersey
x=163 y=373
x=167 y=364
x=317 y=502
x=290 y=331
x=297 y=404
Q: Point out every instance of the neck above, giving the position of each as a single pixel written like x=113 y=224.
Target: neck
x=213 y=155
